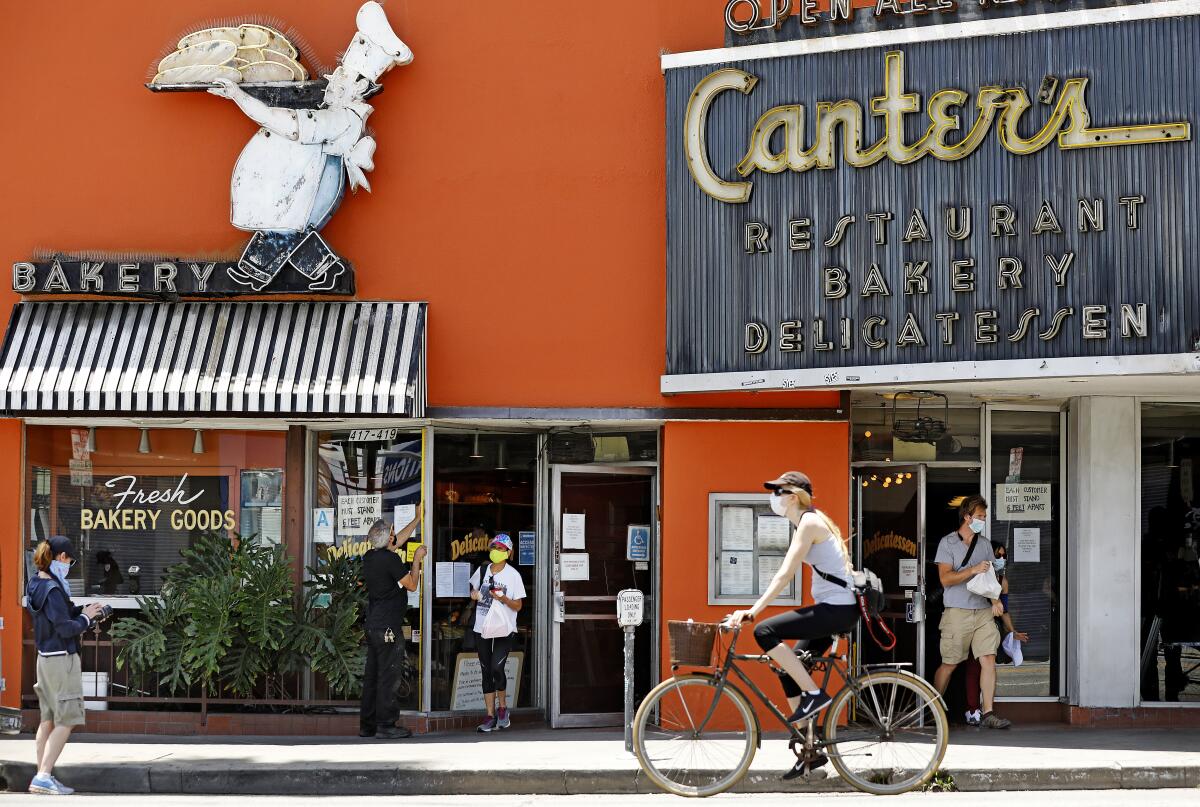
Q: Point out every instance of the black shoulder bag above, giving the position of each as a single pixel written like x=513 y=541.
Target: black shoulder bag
x=871 y=598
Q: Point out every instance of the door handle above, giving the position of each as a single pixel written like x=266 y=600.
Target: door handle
x=560 y=607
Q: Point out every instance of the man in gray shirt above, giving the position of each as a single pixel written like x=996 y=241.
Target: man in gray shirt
x=968 y=623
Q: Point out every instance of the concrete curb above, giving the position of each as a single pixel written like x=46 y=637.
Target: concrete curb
x=386 y=780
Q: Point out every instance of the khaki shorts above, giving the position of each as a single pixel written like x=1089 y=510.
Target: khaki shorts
x=59 y=689
x=966 y=629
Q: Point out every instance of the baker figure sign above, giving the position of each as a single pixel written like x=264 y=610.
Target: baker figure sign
x=291 y=176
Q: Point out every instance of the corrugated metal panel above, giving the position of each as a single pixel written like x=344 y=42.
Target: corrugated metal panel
x=1137 y=76
x=268 y=359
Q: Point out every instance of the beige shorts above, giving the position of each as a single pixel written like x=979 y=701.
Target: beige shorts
x=966 y=629
x=59 y=689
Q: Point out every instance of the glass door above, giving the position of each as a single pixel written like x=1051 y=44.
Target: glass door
x=1025 y=469
x=889 y=540
x=604 y=520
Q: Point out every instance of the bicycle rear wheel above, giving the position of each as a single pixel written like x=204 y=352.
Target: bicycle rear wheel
x=692 y=741
x=889 y=735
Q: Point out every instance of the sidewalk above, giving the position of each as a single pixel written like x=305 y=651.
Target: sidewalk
x=541 y=761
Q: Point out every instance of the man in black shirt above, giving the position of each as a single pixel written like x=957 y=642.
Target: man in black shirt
x=388 y=580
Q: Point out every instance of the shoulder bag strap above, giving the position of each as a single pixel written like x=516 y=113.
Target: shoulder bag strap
x=970 y=551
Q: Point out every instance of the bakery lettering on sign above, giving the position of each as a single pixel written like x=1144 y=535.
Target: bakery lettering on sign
x=172 y=509
x=160 y=278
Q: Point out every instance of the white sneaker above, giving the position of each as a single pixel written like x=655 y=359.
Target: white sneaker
x=974 y=718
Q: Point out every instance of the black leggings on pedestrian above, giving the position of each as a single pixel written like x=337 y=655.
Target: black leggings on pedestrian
x=493 y=653
x=813 y=628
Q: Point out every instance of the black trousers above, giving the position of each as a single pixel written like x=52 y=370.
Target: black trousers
x=813 y=628
x=493 y=653
x=385 y=661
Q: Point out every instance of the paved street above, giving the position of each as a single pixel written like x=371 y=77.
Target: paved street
x=1075 y=798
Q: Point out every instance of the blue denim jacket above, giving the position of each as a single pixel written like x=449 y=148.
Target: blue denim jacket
x=57 y=622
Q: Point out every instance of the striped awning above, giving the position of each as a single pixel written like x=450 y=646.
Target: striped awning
x=214 y=358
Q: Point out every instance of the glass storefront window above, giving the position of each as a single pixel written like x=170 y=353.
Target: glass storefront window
x=874 y=440
x=1170 y=574
x=1026 y=524
x=141 y=496
x=483 y=484
x=363 y=475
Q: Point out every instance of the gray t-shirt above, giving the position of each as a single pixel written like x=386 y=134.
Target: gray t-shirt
x=951 y=551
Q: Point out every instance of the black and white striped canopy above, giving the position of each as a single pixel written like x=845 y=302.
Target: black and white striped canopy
x=219 y=358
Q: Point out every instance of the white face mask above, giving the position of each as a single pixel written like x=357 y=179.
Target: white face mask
x=779 y=505
x=977 y=525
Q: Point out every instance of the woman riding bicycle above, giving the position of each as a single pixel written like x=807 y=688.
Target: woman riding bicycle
x=817 y=542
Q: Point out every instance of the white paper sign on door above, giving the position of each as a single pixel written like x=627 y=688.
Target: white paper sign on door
x=1027 y=545
x=575 y=566
x=356 y=514
x=323 y=525
x=573 y=528
x=1023 y=502
x=908 y=572
x=403 y=515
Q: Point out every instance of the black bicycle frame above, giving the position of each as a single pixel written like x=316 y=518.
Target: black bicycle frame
x=722 y=677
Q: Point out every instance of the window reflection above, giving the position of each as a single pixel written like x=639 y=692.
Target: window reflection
x=1170 y=554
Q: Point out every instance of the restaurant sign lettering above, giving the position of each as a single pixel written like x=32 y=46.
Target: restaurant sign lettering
x=991 y=198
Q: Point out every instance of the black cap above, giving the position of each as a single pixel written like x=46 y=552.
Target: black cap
x=60 y=544
x=791 y=479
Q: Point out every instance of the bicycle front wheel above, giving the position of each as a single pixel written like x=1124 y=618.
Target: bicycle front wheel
x=693 y=740
x=889 y=735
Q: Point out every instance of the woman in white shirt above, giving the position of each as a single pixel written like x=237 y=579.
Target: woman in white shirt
x=496 y=586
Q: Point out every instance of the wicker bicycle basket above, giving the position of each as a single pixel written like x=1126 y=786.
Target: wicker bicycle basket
x=692 y=642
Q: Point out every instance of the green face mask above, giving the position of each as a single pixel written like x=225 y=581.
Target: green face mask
x=498 y=555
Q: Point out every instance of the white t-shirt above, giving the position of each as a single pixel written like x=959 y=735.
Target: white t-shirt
x=508 y=580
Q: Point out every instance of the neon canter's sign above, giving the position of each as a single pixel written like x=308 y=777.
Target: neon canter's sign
x=1069 y=124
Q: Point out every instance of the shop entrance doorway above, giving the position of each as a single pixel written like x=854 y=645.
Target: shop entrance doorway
x=901 y=513
x=604 y=520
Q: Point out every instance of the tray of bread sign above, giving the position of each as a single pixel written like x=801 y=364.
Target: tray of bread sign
x=258 y=58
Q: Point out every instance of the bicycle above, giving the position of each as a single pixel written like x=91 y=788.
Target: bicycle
x=696 y=733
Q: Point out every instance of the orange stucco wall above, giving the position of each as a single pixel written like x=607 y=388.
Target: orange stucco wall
x=519 y=189
x=519 y=184
x=704 y=458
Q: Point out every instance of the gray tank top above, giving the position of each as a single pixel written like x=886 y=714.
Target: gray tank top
x=830 y=557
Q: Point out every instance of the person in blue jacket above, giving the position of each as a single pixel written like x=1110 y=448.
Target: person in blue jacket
x=57 y=624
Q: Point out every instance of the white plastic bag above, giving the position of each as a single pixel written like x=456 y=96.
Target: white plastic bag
x=985 y=584
x=494 y=624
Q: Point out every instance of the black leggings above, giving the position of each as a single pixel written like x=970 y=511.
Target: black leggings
x=493 y=653
x=813 y=628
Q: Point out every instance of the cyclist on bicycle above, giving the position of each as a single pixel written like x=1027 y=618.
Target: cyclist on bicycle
x=817 y=542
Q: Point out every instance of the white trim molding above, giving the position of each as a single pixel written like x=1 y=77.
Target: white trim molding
x=1175 y=364
x=958 y=30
